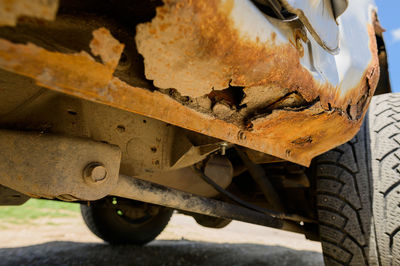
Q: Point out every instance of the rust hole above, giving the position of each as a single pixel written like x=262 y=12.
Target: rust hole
x=123 y=59
x=124 y=62
x=153 y=149
x=121 y=128
x=72 y=112
x=233 y=96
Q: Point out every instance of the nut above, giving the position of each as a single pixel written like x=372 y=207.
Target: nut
x=95 y=172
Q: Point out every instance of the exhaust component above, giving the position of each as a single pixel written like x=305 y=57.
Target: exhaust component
x=68 y=168
x=251 y=206
x=136 y=189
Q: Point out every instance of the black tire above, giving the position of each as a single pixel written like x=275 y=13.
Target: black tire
x=358 y=191
x=111 y=219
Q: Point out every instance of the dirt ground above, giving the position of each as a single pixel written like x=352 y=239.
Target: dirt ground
x=67 y=241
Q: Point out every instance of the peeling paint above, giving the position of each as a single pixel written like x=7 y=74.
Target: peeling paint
x=70 y=71
x=197 y=51
x=270 y=134
x=105 y=46
x=52 y=69
x=200 y=51
x=212 y=80
x=194 y=47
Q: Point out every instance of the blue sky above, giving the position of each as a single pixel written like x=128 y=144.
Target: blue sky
x=389 y=16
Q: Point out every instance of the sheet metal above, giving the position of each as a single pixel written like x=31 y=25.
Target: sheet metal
x=319 y=18
x=316 y=100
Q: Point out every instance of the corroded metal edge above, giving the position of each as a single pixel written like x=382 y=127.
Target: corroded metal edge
x=319 y=126
x=201 y=48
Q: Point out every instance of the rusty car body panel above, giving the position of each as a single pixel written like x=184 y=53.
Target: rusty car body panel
x=224 y=69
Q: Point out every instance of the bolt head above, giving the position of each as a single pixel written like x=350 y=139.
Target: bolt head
x=95 y=172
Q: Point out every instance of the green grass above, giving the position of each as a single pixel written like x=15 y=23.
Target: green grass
x=35 y=209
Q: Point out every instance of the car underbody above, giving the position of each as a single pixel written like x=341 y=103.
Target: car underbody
x=213 y=108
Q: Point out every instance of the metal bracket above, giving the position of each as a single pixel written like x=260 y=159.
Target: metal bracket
x=53 y=166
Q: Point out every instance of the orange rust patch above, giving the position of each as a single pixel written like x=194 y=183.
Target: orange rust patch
x=104 y=45
x=51 y=69
x=277 y=134
x=306 y=133
x=210 y=47
x=11 y=10
x=200 y=50
x=209 y=53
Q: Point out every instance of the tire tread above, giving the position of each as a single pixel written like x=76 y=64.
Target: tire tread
x=359 y=182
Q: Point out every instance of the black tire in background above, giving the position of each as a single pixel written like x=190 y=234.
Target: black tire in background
x=122 y=221
x=358 y=191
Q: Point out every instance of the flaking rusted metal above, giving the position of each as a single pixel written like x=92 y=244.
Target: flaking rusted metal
x=192 y=47
x=105 y=46
x=70 y=71
x=200 y=51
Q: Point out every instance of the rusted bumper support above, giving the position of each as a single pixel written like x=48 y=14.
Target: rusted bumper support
x=137 y=189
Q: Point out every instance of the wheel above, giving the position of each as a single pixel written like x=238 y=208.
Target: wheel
x=122 y=221
x=358 y=191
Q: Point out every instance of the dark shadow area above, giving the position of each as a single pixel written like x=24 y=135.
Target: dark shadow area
x=157 y=253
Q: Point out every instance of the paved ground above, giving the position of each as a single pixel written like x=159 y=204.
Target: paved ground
x=66 y=241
